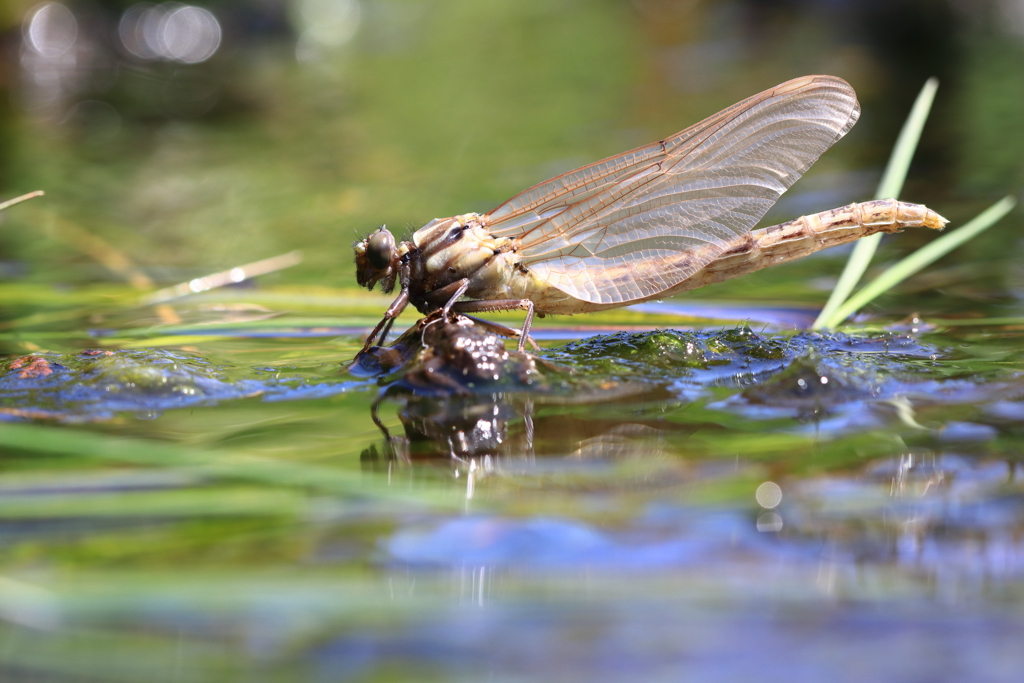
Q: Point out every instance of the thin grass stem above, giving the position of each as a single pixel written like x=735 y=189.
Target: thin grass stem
x=890 y=187
x=921 y=258
x=18 y=200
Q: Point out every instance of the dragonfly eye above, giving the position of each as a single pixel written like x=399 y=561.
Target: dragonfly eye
x=380 y=250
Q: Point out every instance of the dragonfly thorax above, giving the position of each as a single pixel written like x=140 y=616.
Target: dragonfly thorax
x=448 y=251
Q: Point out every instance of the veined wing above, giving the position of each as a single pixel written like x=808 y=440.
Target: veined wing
x=636 y=224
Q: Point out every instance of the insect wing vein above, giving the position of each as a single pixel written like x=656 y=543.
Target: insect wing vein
x=634 y=225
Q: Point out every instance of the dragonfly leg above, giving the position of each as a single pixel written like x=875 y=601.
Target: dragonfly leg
x=497 y=328
x=459 y=290
x=503 y=305
x=396 y=307
x=384 y=333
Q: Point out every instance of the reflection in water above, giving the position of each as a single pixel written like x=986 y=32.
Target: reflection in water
x=922 y=512
x=611 y=478
x=458 y=388
x=453 y=378
x=462 y=394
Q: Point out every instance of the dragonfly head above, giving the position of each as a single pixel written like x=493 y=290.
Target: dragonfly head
x=377 y=259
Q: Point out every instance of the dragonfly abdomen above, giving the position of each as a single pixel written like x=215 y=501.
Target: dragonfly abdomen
x=808 y=234
x=880 y=215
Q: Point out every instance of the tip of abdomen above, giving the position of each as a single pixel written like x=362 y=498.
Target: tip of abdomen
x=934 y=221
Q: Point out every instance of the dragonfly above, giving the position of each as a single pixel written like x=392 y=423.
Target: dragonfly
x=649 y=223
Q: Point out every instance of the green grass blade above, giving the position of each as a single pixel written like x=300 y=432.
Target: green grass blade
x=922 y=257
x=217 y=464
x=895 y=174
x=858 y=262
x=890 y=187
x=18 y=200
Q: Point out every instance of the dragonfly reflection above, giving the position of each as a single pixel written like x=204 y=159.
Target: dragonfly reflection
x=461 y=394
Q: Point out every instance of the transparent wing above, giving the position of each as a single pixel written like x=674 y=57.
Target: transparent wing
x=636 y=224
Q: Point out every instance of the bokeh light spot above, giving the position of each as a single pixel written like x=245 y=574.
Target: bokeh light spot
x=768 y=495
x=190 y=35
x=52 y=30
x=769 y=522
x=170 y=31
x=327 y=23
